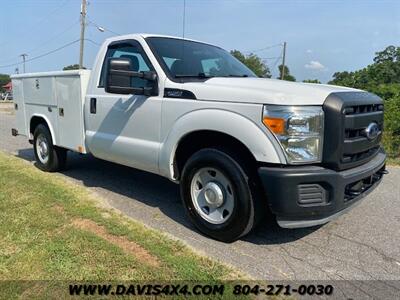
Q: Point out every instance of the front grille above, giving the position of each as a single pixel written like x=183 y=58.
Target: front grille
x=351 y=158
x=361 y=109
x=347 y=115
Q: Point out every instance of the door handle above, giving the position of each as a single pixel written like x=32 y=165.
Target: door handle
x=93 y=105
x=61 y=112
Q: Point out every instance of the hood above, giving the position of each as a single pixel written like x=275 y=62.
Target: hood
x=260 y=90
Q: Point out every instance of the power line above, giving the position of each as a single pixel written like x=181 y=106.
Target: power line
x=45 y=42
x=265 y=48
x=49 y=15
x=42 y=55
x=55 y=36
x=53 y=51
x=102 y=27
x=49 y=52
x=82 y=38
x=93 y=42
x=275 y=63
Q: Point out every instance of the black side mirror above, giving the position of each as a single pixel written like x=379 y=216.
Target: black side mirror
x=119 y=74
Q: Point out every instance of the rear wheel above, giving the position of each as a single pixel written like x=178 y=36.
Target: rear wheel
x=217 y=195
x=49 y=158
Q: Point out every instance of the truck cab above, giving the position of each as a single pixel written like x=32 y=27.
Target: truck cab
x=238 y=145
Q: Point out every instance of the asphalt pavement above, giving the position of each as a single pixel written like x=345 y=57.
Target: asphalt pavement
x=363 y=244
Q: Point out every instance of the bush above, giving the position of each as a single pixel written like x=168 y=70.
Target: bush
x=390 y=93
x=391 y=137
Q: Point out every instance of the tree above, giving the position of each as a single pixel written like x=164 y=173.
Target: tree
x=311 y=81
x=384 y=70
x=391 y=54
x=4 y=79
x=287 y=75
x=343 y=78
x=254 y=63
x=72 y=67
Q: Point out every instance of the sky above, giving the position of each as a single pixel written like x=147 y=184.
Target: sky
x=322 y=37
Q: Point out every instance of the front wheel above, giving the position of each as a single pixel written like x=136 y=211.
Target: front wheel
x=216 y=193
x=49 y=158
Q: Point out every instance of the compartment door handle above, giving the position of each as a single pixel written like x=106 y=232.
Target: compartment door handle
x=93 y=105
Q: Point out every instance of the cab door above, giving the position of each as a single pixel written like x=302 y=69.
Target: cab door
x=124 y=128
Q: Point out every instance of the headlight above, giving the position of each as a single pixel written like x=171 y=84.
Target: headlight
x=299 y=130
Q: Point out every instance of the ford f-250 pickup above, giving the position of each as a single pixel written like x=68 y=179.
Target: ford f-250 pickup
x=238 y=145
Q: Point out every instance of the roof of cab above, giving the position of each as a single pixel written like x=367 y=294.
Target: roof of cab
x=146 y=35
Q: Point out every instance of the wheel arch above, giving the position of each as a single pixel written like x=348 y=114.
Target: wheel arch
x=200 y=139
x=37 y=119
x=230 y=126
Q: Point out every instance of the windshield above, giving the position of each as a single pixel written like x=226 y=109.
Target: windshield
x=187 y=59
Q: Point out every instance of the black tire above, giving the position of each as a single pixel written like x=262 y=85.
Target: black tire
x=57 y=157
x=243 y=216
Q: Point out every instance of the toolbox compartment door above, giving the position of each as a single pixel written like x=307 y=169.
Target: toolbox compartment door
x=70 y=112
x=19 y=106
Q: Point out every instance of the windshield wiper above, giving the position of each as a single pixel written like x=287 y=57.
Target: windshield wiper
x=200 y=75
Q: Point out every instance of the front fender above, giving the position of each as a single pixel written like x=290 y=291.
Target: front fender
x=261 y=143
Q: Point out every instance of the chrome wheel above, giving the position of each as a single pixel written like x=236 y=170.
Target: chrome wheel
x=212 y=195
x=42 y=149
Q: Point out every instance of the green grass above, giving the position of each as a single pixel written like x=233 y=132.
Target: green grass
x=42 y=236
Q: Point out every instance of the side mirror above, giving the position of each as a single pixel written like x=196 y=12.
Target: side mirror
x=119 y=75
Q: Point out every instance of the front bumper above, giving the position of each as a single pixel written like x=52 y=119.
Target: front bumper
x=312 y=195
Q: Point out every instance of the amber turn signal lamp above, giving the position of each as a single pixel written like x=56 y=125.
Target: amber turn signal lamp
x=276 y=125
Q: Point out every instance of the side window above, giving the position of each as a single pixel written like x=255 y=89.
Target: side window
x=137 y=57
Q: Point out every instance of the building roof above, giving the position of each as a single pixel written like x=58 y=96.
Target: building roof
x=8 y=85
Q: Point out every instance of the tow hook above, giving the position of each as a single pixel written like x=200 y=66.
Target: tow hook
x=357 y=188
x=383 y=172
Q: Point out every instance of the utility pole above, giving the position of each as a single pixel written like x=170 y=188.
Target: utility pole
x=24 y=59
x=83 y=24
x=283 y=61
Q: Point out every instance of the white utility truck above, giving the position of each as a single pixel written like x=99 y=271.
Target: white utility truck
x=238 y=145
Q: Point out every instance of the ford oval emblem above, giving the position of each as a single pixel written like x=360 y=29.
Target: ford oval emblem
x=372 y=131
